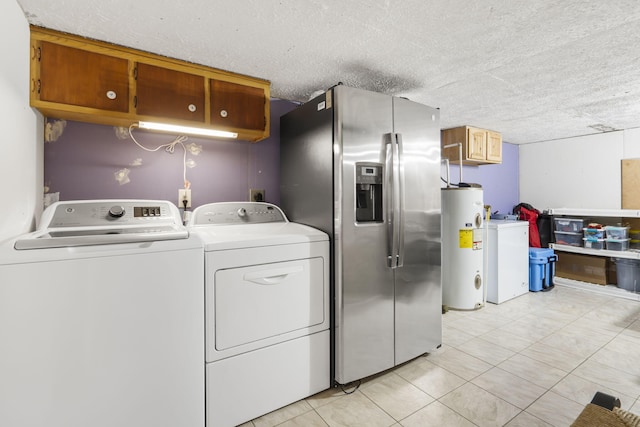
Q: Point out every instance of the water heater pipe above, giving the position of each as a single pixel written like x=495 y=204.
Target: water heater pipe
x=459 y=144
x=487 y=254
x=446 y=162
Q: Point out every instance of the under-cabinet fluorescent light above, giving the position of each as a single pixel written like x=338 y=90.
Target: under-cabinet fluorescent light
x=186 y=129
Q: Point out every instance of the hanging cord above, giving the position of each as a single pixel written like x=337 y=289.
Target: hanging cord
x=351 y=384
x=169 y=148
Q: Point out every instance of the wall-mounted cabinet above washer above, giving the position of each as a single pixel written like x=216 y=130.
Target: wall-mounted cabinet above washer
x=479 y=146
x=170 y=94
x=87 y=80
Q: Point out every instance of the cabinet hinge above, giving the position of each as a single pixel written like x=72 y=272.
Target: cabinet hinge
x=135 y=73
x=135 y=101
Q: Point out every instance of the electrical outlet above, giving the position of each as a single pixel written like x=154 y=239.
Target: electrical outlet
x=256 y=195
x=184 y=194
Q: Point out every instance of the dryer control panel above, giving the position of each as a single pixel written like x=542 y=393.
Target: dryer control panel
x=230 y=213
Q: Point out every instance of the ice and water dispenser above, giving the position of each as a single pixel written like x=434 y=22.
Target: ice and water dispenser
x=368 y=192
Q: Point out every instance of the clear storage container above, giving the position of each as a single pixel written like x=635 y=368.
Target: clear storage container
x=569 y=224
x=568 y=238
x=593 y=233
x=618 y=245
x=593 y=243
x=617 y=233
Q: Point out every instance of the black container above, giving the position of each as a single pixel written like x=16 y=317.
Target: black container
x=545 y=229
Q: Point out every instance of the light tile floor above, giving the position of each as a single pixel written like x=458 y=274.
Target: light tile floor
x=532 y=361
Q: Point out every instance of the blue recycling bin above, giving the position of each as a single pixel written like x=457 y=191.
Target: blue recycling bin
x=541 y=269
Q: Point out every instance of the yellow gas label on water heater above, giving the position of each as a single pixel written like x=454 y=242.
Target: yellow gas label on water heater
x=466 y=239
x=471 y=239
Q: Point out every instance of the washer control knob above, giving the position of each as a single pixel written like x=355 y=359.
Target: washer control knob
x=242 y=212
x=116 y=211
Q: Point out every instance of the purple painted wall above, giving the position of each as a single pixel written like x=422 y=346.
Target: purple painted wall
x=499 y=182
x=88 y=161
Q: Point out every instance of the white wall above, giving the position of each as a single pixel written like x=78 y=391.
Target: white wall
x=632 y=143
x=580 y=172
x=21 y=167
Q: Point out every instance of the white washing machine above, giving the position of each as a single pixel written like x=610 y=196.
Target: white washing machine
x=267 y=310
x=102 y=319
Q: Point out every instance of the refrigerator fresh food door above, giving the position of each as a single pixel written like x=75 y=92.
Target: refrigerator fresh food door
x=418 y=291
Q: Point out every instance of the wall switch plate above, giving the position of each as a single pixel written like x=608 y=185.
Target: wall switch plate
x=184 y=194
x=256 y=195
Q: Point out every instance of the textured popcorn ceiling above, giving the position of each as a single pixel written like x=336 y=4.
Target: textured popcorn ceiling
x=533 y=70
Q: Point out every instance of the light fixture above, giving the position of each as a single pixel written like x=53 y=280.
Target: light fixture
x=186 y=129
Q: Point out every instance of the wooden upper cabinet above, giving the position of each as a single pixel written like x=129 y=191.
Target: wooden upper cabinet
x=479 y=146
x=237 y=106
x=494 y=146
x=87 y=80
x=82 y=78
x=476 y=144
x=163 y=92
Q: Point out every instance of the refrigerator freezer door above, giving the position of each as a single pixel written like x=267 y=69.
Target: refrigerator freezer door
x=363 y=282
x=418 y=289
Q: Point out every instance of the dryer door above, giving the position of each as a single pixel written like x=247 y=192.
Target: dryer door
x=271 y=301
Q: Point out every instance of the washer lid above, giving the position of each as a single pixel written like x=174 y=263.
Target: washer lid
x=222 y=237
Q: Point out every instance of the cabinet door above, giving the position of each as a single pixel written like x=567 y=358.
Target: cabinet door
x=494 y=146
x=237 y=106
x=162 y=92
x=476 y=144
x=87 y=79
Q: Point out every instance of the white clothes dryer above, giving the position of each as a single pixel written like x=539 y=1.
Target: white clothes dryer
x=102 y=319
x=267 y=310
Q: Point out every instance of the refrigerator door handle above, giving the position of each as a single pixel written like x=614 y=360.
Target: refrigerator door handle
x=390 y=198
x=401 y=204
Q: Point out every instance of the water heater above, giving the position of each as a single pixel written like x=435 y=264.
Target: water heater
x=462 y=253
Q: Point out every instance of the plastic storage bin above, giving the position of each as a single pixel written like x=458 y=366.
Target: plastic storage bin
x=593 y=233
x=541 y=269
x=590 y=243
x=569 y=224
x=617 y=233
x=568 y=238
x=628 y=274
x=618 y=245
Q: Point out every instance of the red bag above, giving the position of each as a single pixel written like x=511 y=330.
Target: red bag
x=526 y=212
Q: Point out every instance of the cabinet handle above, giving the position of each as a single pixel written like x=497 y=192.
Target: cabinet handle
x=192 y=108
x=111 y=94
x=223 y=113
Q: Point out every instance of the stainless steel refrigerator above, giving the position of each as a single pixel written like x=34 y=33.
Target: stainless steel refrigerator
x=365 y=168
